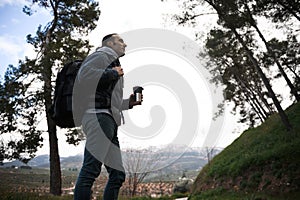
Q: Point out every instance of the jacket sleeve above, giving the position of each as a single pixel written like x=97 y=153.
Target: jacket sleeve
x=96 y=67
x=125 y=104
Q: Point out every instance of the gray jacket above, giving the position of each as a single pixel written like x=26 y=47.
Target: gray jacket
x=102 y=86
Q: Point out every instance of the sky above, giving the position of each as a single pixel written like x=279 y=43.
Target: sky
x=14 y=26
x=121 y=16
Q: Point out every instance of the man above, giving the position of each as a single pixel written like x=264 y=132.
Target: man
x=101 y=80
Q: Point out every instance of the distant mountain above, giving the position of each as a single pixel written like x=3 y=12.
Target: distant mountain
x=39 y=160
x=65 y=162
x=183 y=160
x=35 y=162
x=42 y=161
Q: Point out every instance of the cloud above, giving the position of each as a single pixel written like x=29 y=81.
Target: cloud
x=9 y=53
x=12 y=49
x=12 y=2
x=9 y=46
x=15 y=21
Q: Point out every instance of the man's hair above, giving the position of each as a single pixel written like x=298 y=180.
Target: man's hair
x=107 y=38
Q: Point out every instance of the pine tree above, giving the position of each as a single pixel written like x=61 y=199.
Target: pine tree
x=236 y=17
x=27 y=90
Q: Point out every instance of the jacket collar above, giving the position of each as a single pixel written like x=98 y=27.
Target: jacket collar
x=108 y=50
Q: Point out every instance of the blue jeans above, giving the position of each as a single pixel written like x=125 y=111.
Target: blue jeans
x=91 y=167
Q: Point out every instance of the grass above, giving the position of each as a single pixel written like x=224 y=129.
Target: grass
x=260 y=158
x=35 y=196
x=262 y=164
x=24 y=184
x=30 y=179
x=6 y=194
x=33 y=184
x=230 y=195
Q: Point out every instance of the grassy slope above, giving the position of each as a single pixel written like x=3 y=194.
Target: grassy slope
x=262 y=160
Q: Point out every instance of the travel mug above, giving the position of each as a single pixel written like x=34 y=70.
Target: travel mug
x=137 y=91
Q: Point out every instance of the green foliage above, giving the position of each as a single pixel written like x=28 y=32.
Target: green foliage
x=259 y=153
x=278 y=10
x=243 y=85
x=160 y=198
x=236 y=55
x=62 y=37
x=26 y=90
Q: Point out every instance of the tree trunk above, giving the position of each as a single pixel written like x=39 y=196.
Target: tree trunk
x=256 y=110
x=270 y=51
x=247 y=95
x=134 y=187
x=251 y=96
x=264 y=100
x=55 y=171
x=260 y=107
x=288 y=9
x=281 y=112
x=297 y=77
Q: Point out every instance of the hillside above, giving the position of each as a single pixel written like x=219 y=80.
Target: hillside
x=263 y=161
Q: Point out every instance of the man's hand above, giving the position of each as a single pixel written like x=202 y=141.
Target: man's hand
x=119 y=69
x=133 y=102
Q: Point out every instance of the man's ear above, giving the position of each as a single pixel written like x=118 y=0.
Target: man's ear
x=109 y=43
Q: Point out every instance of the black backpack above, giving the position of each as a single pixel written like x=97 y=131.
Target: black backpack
x=62 y=107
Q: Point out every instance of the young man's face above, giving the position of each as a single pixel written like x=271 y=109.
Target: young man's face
x=118 y=45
